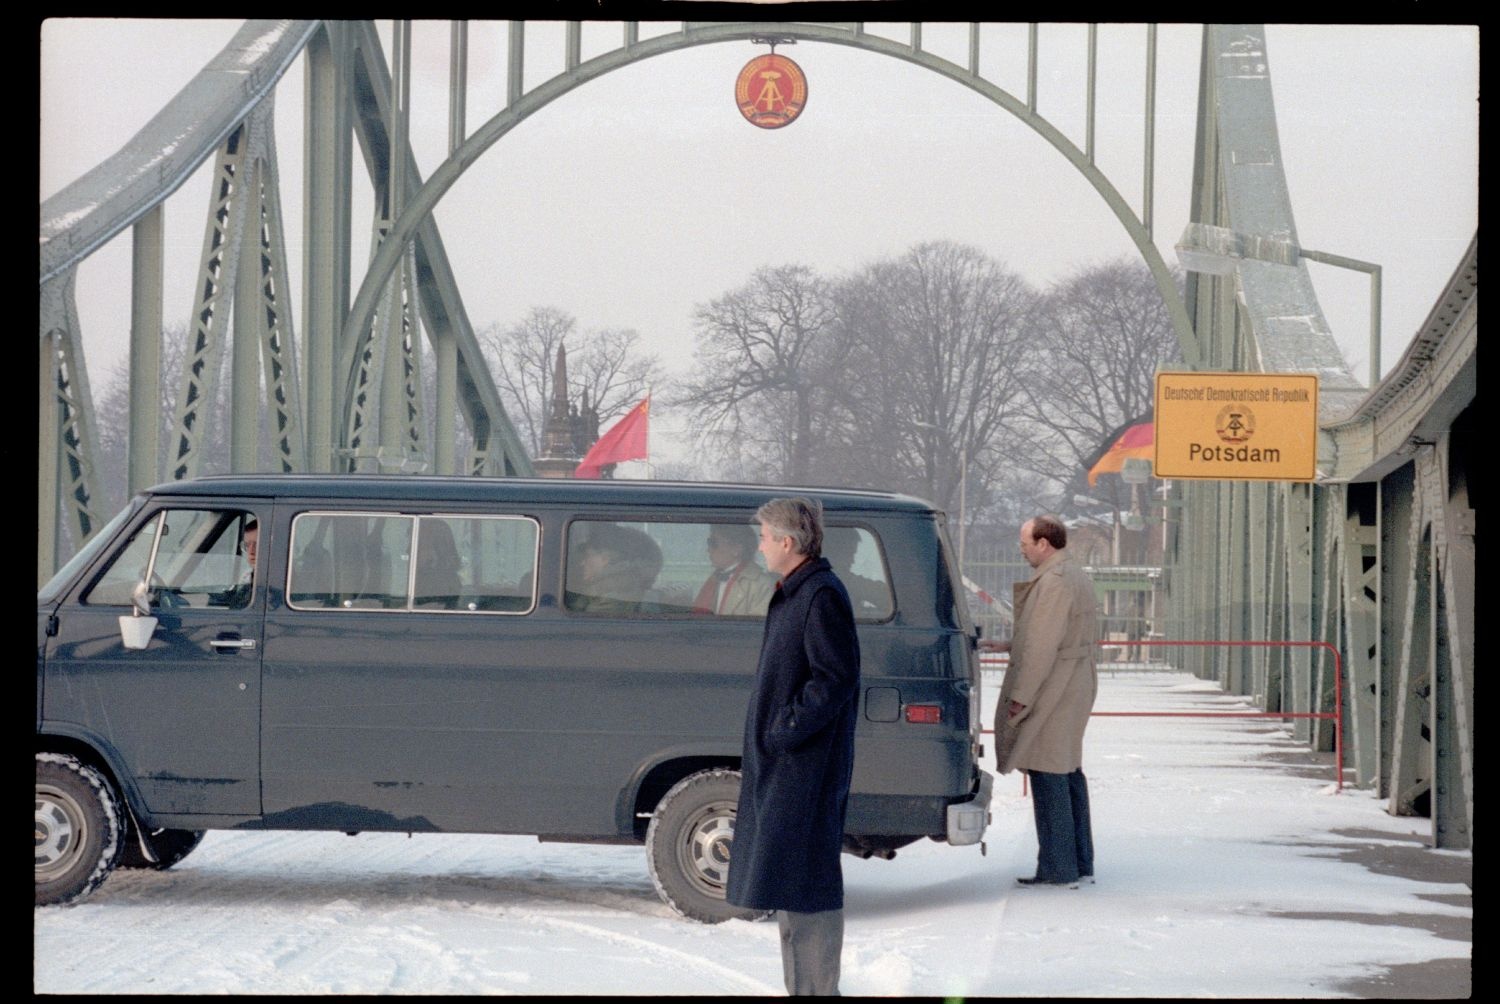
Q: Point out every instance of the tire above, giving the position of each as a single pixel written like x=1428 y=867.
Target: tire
x=169 y=846
x=79 y=828
x=687 y=846
x=880 y=846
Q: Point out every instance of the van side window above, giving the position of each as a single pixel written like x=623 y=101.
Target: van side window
x=855 y=556
x=366 y=561
x=191 y=558
x=475 y=563
x=352 y=561
x=702 y=568
x=659 y=567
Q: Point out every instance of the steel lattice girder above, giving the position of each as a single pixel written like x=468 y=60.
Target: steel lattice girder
x=1366 y=559
x=68 y=433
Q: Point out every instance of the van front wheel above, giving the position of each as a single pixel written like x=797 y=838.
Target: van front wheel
x=79 y=827
x=687 y=846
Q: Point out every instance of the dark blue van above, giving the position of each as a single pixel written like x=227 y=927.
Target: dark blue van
x=468 y=655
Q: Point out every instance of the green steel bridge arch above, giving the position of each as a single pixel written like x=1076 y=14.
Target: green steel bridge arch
x=633 y=50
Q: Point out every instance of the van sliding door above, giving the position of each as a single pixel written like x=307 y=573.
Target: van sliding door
x=398 y=666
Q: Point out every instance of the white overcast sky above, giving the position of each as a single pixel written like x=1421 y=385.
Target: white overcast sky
x=643 y=193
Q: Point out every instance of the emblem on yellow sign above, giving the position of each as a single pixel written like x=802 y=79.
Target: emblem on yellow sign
x=771 y=91
x=1235 y=424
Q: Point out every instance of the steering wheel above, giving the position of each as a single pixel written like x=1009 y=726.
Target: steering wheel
x=166 y=598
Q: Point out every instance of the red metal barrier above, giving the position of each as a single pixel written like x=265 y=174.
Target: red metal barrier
x=1337 y=714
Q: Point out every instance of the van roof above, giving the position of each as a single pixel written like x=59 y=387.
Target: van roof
x=439 y=488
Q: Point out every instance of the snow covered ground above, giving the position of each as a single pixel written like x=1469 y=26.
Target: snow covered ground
x=1223 y=870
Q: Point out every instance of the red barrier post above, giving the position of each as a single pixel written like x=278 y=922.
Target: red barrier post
x=1338 y=698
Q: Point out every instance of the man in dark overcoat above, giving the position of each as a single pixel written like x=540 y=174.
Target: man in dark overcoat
x=799 y=751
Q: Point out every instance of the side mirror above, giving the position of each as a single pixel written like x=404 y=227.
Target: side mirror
x=140 y=599
x=137 y=628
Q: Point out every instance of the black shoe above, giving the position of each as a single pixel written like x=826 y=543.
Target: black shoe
x=1034 y=880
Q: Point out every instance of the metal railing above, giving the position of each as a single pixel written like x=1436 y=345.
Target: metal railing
x=1337 y=714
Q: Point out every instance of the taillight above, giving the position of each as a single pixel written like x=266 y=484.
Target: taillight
x=924 y=714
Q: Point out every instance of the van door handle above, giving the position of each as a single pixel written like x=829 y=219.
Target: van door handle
x=225 y=643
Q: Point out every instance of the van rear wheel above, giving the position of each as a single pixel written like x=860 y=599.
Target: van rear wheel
x=687 y=846
x=79 y=826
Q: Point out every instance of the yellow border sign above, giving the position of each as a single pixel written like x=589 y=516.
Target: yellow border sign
x=1237 y=426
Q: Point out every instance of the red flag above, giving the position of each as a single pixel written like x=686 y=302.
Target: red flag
x=626 y=440
x=1138 y=441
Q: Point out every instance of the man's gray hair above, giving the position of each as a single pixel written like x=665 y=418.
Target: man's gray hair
x=798 y=518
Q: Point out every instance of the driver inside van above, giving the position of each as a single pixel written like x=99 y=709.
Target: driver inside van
x=238 y=595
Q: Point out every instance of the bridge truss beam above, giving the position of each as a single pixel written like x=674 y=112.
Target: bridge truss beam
x=1376 y=556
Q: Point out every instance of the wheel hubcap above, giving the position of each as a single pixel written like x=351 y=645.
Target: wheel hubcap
x=705 y=848
x=60 y=832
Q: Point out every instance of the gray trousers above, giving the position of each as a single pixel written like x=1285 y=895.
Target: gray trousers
x=811 y=944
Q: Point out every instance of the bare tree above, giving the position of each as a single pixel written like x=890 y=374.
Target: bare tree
x=759 y=375
x=607 y=365
x=1105 y=332
x=941 y=354
x=521 y=357
x=612 y=371
x=923 y=370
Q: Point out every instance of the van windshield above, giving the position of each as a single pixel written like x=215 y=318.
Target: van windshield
x=91 y=547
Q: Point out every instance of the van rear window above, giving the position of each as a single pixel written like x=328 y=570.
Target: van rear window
x=428 y=564
x=641 y=568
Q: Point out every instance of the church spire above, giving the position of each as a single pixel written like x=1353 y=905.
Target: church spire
x=559 y=454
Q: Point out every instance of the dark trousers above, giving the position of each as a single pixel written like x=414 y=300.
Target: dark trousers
x=811 y=944
x=1065 y=840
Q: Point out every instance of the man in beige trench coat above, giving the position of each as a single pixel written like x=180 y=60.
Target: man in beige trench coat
x=1046 y=699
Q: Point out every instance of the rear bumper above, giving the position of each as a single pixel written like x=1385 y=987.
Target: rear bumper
x=967 y=819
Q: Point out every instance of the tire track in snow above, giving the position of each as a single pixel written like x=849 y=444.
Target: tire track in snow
x=683 y=960
x=309 y=924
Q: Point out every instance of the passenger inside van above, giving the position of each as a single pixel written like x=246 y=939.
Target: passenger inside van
x=613 y=569
x=737 y=586
x=376 y=590
x=870 y=598
x=438 y=584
